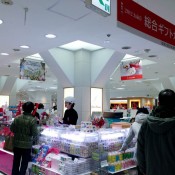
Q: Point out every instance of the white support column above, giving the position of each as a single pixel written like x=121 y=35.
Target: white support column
x=106 y=99
x=82 y=84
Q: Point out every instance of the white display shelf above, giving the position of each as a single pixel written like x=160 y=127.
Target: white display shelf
x=122 y=170
x=8 y=152
x=55 y=171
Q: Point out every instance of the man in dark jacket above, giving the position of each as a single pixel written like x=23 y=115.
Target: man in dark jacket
x=24 y=128
x=156 y=140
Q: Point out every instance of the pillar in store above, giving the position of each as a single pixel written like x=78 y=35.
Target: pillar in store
x=60 y=101
x=106 y=99
x=82 y=79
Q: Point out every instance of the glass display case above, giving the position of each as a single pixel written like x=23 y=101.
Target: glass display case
x=88 y=150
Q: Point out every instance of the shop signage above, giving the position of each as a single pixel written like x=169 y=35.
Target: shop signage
x=131 y=69
x=131 y=15
x=104 y=5
x=32 y=70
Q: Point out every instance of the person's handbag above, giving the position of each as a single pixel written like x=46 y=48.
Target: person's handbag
x=9 y=139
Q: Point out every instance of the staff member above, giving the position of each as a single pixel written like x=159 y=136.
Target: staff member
x=70 y=115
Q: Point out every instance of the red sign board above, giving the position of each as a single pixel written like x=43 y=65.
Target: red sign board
x=134 y=15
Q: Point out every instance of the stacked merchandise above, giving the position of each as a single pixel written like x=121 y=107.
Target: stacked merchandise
x=50 y=158
x=87 y=126
x=120 y=161
x=78 y=143
x=82 y=150
x=111 y=140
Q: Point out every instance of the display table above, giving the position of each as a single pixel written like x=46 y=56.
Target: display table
x=6 y=161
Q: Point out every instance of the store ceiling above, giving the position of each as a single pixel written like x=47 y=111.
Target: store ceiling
x=70 y=20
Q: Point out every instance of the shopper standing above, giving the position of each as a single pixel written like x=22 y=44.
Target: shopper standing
x=70 y=115
x=25 y=132
x=156 y=139
x=141 y=116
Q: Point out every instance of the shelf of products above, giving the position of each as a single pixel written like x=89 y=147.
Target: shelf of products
x=122 y=170
x=66 y=151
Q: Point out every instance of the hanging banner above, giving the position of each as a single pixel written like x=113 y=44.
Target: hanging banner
x=131 y=15
x=131 y=69
x=32 y=70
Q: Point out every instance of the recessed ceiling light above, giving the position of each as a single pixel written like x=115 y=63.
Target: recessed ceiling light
x=5 y=54
x=106 y=41
x=120 y=88
x=126 y=47
x=24 y=46
x=1 y=21
x=16 y=50
x=147 y=50
x=152 y=56
x=50 y=36
x=111 y=78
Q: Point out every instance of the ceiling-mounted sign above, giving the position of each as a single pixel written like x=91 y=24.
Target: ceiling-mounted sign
x=32 y=70
x=133 y=16
x=104 y=5
x=131 y=69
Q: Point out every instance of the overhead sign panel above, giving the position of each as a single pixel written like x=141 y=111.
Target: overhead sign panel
x=131 y=69
x=32 y=70
x=134 y=16
x=104 y=5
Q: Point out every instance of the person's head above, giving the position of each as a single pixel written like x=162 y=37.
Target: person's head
x=69 y=102
x=54 y=108
x=167 y=98
x=142 y=110
x=28 y=107
x=40 y=106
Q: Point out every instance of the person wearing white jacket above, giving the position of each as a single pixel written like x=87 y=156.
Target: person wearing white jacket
x=141 y=116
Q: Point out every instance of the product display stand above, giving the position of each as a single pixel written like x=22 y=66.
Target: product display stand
x=6 y=157
x=122 y=170
x=6 y=161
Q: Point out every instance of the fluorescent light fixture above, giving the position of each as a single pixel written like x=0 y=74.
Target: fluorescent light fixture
x=50 y=36
x=150 y=79
x=53 y=87
x=24 y=46
x=1 y=21
x=31 y=90
x=77 y=45
x=4 y=54
x=35 y=57
x=120 y=88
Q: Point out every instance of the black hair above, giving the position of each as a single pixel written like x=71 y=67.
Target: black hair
x=72 y=105
x=54 y=108
x=142 y=110
x=167 y=97
x=28 y=107
x=40 y=106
